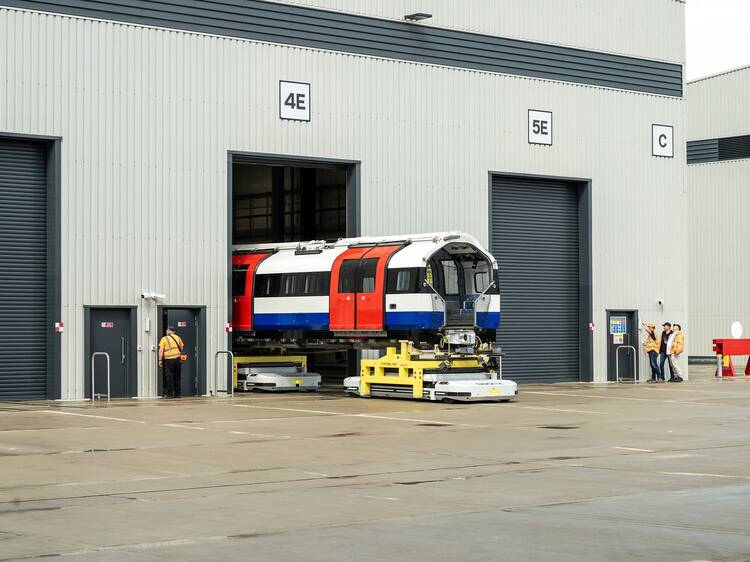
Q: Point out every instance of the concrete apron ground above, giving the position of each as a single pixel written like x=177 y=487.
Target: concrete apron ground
x=568 y=472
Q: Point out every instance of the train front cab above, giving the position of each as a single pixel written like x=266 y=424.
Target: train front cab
x=453 y=287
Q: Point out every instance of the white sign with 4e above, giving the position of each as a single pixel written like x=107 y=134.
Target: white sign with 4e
x=294 y=100
x=540 y=127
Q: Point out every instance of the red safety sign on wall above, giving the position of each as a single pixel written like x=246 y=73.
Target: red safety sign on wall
x=108 y=324
x=228 y=327
x=59 y=327
x=182 y=324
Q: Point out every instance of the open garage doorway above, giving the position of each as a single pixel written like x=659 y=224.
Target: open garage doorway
x=287 y=199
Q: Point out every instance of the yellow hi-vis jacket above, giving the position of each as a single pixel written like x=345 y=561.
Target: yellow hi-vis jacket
x=651 y=344
x=678 y=345
x=171 y=346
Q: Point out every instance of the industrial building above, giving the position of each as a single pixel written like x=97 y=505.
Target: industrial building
x=139 y=141
x=718 y=155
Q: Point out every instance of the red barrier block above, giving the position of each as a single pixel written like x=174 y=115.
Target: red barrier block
x=729 y=347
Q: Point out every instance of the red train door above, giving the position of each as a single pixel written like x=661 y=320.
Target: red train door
x=243 y=276
x=343 y=294
x=358 y=288
x=371 y=287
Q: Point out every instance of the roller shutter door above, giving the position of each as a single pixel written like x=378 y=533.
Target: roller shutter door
x=534 y=237
x=23 y=270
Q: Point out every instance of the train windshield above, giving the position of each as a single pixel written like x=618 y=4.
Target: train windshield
x=461 y=274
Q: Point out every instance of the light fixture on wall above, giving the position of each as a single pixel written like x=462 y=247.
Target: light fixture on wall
x=419 y=16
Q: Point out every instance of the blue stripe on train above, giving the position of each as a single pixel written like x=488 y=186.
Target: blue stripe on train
x=417 y=320
x=489 y=320
x=291 y=321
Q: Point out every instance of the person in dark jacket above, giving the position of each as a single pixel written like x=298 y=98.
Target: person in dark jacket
x=666 y=331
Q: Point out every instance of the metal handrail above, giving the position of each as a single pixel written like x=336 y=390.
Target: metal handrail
x=445 y=304
x=93 y=378
x=635 y=363
x=216 y=372
x=492 y=284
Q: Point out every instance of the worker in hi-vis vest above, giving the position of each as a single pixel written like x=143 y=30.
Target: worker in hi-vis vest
x=170 y=352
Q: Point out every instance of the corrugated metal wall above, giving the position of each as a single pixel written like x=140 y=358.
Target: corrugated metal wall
x=719 y=106
x=640 y=28
x=147 y=117
x=337 y=31
x=719 y=199
x=719 y=279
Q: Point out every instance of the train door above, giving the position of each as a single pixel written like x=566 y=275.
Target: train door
x=371 y=287
x=358 y=288
x=243 y=275
x=343 y=294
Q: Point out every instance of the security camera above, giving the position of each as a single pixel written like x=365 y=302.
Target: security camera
x=660 y=302
x=144 y=295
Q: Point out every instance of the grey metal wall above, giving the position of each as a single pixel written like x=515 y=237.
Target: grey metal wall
x=147 y=117
x=639 y=28
x=323 y=29
x=23 y=269
x=718 y=105
x=719 y=265
x=719 y=197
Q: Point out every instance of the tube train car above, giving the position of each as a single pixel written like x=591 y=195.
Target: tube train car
x=426 y=288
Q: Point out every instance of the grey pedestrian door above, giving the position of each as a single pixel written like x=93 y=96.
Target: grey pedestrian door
x=535 y=238
x=110 y=331
x=24 y=326
x=185 y=322
x=622 y=336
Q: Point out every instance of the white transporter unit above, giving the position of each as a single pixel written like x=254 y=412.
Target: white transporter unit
x=265 y=375
x=435 y=295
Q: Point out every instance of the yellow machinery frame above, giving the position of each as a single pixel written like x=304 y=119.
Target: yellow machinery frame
x=410 y=367
x=244 y=359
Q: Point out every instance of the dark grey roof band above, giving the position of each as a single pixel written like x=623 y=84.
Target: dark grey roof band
x=310 y=27
x=717 y=150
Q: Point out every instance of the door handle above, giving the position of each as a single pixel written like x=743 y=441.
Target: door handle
x=122 y=349
x=348 y=298
x=364 y=298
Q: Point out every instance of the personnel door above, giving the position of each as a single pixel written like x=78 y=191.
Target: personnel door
x=357 y=288
x=622 y=344
x=243 y=277
x=185 y=322
x=110 y=332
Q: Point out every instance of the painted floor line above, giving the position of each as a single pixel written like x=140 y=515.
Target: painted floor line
x=361 y=415
x=416 y=420
x=603 y=397
x=635 y=449
x=111 y=418
x=255 y=420
x=543 y=393
x=183 y=426
x=563 y=410
x=706 y=475
x=322 y=412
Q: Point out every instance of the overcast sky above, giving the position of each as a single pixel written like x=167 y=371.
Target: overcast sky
x=717 y=35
